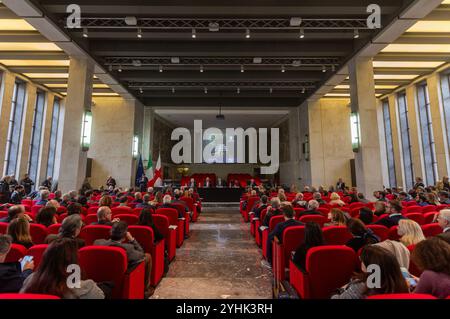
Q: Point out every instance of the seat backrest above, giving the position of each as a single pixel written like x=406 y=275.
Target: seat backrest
x=329 y=268
x=336 y=235
x=90 y=218
x=101 y=263
x=429 y=217
x=38 y=233
x=91 y=233
x=144 y=236
x=92 y=210
x=3 y=228
x=137 y=211
x=35 y=209
x=61 y=210
x=130 y=219
x=429 y=208
x=37 y=251
x=263 y=214
x=275 y=220
x=379 y=230
x=417 y=217
x=53 y=229
x=413 y=209
x=189 y=201
x=251 y=201
x=15 y=253
x=292 y=238
x=162 y=224
x=323 y=210
x=121 y=210
x=393 y=233
x=319 y=219
x=430 y=230
x=3 y=214
x=171 y=213
x=27 y=296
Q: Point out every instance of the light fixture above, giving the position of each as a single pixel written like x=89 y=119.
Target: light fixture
x=85 y=33
x=141 y=90
x=205 y=90
x=86 y=129
x=120 y=68
x=257 y=60
x=110 y=68
x=161 y=69
x=174 y=60
x=356 y=34
x=201 y=69
x=242 y=69
x=247 y=34
x=283 y=69
x=333 y=67
x=238 y=90
x=135 y=146
x=139 y=33
x=354 y=128
x=324 y=68
x=213 y=26
x=173 y=90
x=270 y=90
x=194 y=34
x=303 y=90
x=302 y=33
x=137 y=63
x=130 y=20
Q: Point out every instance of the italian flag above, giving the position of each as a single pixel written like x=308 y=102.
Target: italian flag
x=156 y=179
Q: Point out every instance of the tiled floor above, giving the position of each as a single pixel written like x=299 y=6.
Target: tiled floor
x=219 y=260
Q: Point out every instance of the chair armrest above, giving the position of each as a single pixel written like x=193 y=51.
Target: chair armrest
x=133 y=287
x=181 y=218
x=173 y=227
x=255 y=218
x=262 y=228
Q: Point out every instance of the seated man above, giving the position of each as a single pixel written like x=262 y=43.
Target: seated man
x=145 y=202
x=257 y=209
x=272 y=210
x=299 y=202
x=17 y=195
x=443 y=219
x=318 y=197
x=11 y=274
x=176 y=200
x=277 y=232
x=395 y=214
x=444 y=198
x=167 y=199
x=135 y=253
x=14 y=212
x=104 y=217
x=43 y=197
x=312 y=209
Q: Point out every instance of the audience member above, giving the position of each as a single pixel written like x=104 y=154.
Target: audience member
x=313 y=238
x=410 y=232
x=19 y=230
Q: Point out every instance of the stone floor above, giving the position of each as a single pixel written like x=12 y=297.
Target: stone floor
x=219 y=260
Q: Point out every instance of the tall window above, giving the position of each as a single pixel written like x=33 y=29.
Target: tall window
x=445 y=88
x=35 y=146
x=389 y=144
x=406 y=142
x=53 y=137
x=15 y=127
x=426 y=128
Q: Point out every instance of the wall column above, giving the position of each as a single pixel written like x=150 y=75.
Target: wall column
x=71 y=167
x=363 y=102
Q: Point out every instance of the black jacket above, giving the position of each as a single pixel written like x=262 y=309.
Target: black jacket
x=27 y=183
x=390 y=220
x=11 y=277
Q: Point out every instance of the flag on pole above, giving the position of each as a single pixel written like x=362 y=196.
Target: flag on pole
x=139 y=171
x=149 y=168
x=157 y=176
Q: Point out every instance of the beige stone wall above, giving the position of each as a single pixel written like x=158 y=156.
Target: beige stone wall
x=330 y=141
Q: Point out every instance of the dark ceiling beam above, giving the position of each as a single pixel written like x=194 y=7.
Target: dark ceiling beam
x=224 y=102
x=198 y=48
x=220 y=94
x=186 y=76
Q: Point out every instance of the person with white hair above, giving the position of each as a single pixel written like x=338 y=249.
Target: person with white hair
x=272 y=210
x=313 y=205
x=43 y=197
x=443 y=219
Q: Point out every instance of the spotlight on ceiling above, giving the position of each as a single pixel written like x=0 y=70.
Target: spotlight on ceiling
x=324 y=68
x=130 y=20
x=333 y=68
x=194 y=34
x=213 y=26
x=242 y=69
x=270 y=90
x=302 y=33
x=120 y=68
x=238 y=90
x=283 y=69
x=161 y=69
x=139 y=33
x=141 y=90
x=295 y=21
x=257 y=60
x=85 y=33
x=247 y=34
x=173 y=90
x=110 y=68
x=205 y=90
x=174 y=60
x=303 y=90
x=201 y=69
x=356 y=34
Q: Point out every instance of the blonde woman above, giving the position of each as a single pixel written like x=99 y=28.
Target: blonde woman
x=337 y=218
x=336 y=199
x=410 y=232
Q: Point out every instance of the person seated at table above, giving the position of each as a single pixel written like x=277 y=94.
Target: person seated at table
x=252 y=183
x=207 y=183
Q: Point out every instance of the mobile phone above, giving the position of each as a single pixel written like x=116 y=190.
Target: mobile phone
x=408 y=277
x=25 y=260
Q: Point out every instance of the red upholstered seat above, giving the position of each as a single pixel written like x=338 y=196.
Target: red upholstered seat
x=61 y=210
x=292 y=238
x=91 y=233
x=413 y=209
x=413 y=269
x=324 y=211
x=90 y=218
x=27 y=296
x=191 y=206
x=429 y=217
x=169 y=233
x=3 y=214
x=38 y=233
x=429 y=208
x=145 y=237
x=130 y=219
x=16 y=252
x=417 y=217
x=37 y=251
x=3 y=228
x=402 y=296
x=250 y=203
x=28 y=202
x=172 y=214
x=257 y=224
x=336 y=235
x=121 y=210
x=101 y=263
x=327 y=269
x=92 y=210
x=35 y=209
x=321 y=220
x=61 y=217
x=431 y=230
x=393 y=233
x=53 y=229
x=275 y=220
x=381 y=231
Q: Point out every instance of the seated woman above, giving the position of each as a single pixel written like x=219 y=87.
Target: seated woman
x=410 y=232
x=105 y=200
x=19 y=230
x=51 y=275
x=336 y=217
x=313 y=238
x=366 y=215
x=145 y=219
x=70 y=228
x=421 y=200
x=433 y=257
x=362 y=236
x=336 y=200
x=392 y=280
x=46 y=216
x=74 y=209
